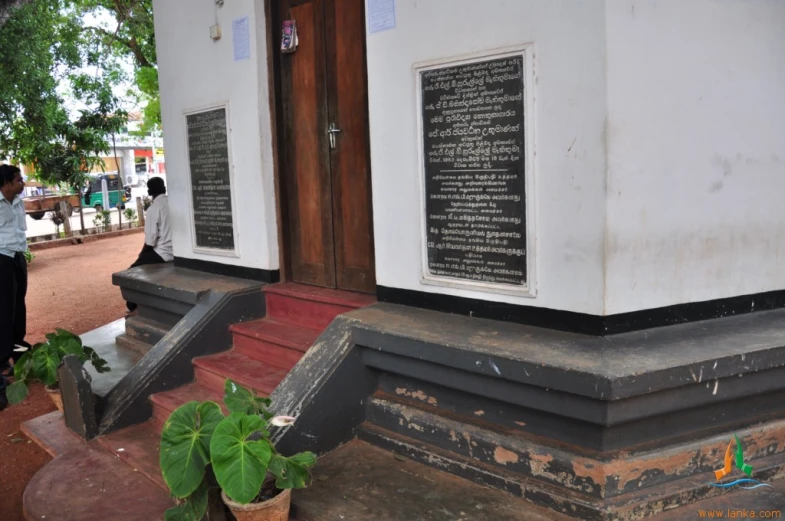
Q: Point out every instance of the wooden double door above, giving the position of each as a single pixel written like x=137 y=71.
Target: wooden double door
x=324 y=146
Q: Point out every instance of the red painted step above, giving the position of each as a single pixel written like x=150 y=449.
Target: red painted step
x=212 y=372
x=277 y=344
x=310 y=306
x=165 y=403
x=269 y=330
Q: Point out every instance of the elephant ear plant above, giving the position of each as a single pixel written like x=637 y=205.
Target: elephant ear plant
x=237 y=447
x=41 y=362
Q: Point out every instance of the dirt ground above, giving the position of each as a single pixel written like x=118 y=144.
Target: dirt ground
x=69 y=287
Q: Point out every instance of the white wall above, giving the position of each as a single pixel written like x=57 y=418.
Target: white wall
x=696 y=151
x=569 y=133
x=194 y=72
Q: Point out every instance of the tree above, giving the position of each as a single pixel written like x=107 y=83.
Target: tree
x=42 y=50
x=7 y=7
x=132 y=35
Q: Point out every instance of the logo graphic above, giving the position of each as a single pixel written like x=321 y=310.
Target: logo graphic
x=746 y=483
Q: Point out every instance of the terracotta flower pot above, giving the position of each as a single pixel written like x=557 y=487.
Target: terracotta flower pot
x=275 y=509
x=56 y=396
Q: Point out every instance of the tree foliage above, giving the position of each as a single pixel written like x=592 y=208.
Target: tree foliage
x=7 y=7
x=132 y=35
x=43 y=50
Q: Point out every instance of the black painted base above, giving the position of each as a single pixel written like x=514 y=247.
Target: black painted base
x=229 y=270
x=604 y=429
x=583 y=322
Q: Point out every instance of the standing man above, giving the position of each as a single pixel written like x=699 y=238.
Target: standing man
x=157 y=230
x=13 y=270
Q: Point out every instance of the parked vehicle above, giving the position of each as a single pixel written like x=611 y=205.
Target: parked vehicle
x=36 y=206
x=94 y=197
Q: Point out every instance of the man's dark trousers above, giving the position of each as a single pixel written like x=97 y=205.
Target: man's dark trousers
x=13 y=312
x=148 y=256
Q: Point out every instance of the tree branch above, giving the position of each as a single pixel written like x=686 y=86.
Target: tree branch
x=131 y=44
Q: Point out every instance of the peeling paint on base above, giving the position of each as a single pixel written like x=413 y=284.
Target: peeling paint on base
x=503 y=456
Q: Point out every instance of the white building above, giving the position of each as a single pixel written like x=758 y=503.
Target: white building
x=607 y=171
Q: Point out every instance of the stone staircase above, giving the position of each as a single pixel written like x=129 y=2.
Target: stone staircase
x=419 y=415
x=263 y=352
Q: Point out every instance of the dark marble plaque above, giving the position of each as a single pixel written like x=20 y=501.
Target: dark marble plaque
x=208 y=155
x=473 y=147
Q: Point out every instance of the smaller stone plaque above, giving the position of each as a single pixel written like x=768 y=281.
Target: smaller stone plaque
x=211 y=190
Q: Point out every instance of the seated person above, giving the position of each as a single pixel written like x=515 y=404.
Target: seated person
x=157 y=230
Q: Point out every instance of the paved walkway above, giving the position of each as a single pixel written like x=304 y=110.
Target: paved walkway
x=70 y=287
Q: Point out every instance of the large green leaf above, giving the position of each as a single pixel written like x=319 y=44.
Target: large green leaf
x=16 y=392
x=70 y=346
x=185 y=445
x=23 y=366
x=292 y=472
x=67 y=335
x=45 y=362
x=239 y=399
x=99 y=363
x=240 y=459
x=192 y=509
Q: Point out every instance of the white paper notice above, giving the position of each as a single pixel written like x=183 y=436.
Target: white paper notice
x=241 y=37
x=381 y=15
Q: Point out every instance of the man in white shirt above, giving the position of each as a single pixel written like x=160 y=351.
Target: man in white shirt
x=13 y=270
x=157 y=229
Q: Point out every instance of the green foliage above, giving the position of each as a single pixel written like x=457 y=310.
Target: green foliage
x=185 y=445
x=130 y=215
x=41 y=362
x=29 y=256
x=131 y=35
x=237 y=448
x=103 y=220
x=193 y=507
x=44 y=52
x=239 y=399
x=240 y=458
x=292 y=472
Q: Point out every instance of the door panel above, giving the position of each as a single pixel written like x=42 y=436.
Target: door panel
x=307 y=150
x=328 y=190
x=350 y=160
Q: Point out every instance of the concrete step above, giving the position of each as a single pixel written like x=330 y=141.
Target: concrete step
x=147 y=330
x=121 y=356
x=91 y=484
x=50 y=433
x=361 y=482
x=138 y=447
x=311 y=306
x=133 y=344
x=212 y=372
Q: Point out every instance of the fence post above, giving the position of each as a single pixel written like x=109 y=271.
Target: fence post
x=140 y=211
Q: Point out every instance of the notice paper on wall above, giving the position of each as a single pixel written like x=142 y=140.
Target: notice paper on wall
x=241 y=38
x=381 y=15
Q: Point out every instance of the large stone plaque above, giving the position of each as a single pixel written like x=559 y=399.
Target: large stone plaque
x=473 y=148
x=208 y=155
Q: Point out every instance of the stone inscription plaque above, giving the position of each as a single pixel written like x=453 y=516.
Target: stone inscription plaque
x=473 y=147
x=208 y=155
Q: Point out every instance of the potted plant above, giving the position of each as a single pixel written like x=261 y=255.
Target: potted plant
x=42 y=360
x=255 y=480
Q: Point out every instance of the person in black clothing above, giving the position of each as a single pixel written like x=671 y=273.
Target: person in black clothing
x=13 y=272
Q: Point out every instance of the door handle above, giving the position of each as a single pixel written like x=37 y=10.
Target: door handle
x=331 y=131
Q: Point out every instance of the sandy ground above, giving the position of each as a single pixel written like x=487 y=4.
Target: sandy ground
x=70 y=287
